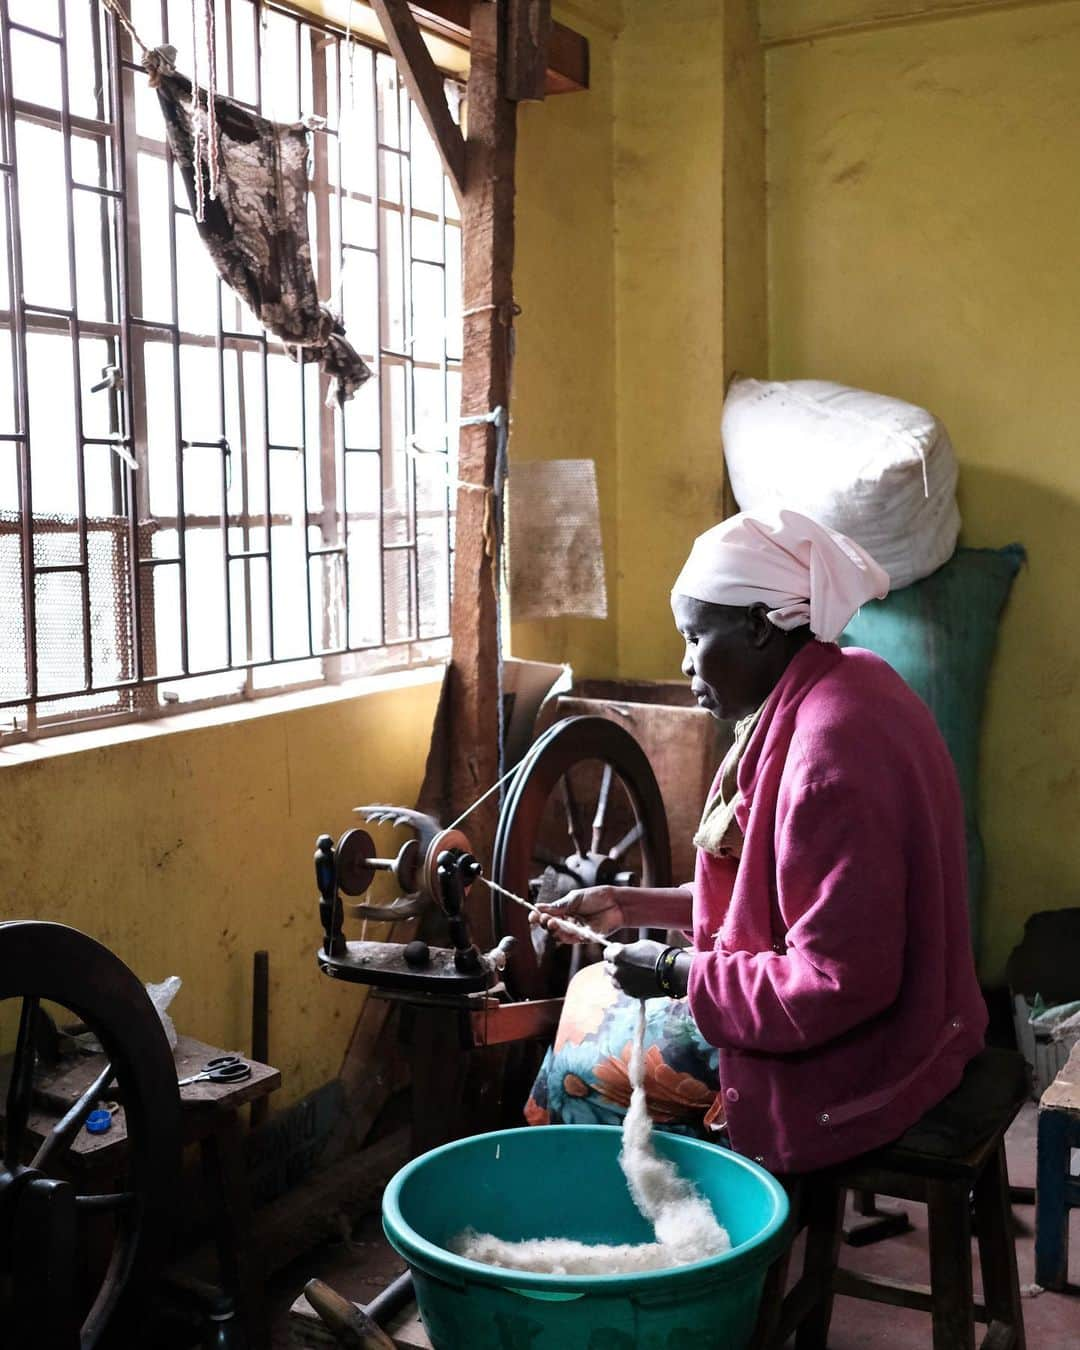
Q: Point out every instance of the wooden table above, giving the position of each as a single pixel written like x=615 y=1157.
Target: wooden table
x=210 y=1118
x=1056 y=1190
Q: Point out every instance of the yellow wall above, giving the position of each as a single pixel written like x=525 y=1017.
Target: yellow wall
x=923 y=207
x=641 y=272
x=564 y=278
x=689 y=263
x=186 y=850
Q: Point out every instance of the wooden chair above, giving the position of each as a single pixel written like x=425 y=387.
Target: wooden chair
x=954 y=1154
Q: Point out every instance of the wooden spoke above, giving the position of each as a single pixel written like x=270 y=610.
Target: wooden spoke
x=627 y=842
x=574 y=826
x=535 y=804
x=21 y=1085
x=69 y=1125
x=601 y=807
x=113 y=1202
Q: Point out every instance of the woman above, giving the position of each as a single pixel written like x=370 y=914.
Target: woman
x=830 y=962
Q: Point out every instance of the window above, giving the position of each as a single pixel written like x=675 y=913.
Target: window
x=181 y=517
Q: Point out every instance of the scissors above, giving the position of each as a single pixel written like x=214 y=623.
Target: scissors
x=220 y=1069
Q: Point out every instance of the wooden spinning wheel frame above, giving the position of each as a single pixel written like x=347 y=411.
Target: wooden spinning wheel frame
x=43 y=1217
x=587 y=785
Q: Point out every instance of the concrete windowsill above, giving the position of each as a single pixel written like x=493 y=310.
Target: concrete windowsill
x=222 y=714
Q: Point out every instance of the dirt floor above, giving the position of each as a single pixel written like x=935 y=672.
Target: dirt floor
x=366 y=1264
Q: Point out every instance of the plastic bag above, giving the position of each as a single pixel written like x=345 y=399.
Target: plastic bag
x=161 y=995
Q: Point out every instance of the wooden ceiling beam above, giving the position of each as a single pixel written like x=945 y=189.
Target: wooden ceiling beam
x=425 y=83
x=568 y=50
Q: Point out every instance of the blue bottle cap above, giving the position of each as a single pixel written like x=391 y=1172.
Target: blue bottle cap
x=97 y=1122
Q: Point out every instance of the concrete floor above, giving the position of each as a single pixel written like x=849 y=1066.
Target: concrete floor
x=1052 y=1321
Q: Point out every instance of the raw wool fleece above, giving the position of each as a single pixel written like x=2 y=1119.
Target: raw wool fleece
x=686 y=1228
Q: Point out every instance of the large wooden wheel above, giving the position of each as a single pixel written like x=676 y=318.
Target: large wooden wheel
x=46 y=1225
x=583 y=810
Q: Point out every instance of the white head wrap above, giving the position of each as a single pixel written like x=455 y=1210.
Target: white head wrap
x=803 y=572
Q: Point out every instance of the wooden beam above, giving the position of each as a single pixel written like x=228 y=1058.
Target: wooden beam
x=425 y=84
x=488 y=240
x=527 y=50
x=568 y=51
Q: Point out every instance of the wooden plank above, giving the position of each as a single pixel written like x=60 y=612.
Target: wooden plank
x=488 y=236
x=896 y=1293
x=308 y=1215
x=307 y=1332
x=425 y=84
x=508 y=1022
x=527 y=55
x=567 y=51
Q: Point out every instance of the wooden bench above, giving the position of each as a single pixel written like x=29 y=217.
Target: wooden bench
x=1057 y=1191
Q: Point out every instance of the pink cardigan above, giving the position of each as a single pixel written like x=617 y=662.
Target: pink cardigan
x=833 y=965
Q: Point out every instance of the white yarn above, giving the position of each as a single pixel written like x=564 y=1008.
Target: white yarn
x=686 y=1228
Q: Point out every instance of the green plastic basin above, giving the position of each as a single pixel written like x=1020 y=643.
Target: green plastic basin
x=565 y=1181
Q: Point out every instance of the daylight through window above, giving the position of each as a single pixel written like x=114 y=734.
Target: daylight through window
x=181 y=516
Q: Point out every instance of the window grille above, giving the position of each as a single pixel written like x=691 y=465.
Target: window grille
x=263 y=540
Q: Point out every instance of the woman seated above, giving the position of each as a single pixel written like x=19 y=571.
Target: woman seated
x=828 y=997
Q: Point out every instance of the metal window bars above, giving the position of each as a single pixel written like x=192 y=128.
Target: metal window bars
x=263 y=539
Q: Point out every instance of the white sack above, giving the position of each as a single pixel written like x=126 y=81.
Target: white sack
x=875 y=468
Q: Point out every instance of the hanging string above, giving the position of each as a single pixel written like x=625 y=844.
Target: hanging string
x=350 y=49
x=582 y=930
x=113 y=6
x=198 y=131
x=210 y=15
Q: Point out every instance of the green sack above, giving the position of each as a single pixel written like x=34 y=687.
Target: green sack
x=939 y=634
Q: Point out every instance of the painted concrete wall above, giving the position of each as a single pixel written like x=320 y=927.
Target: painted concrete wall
x=641 y=272
x=186 y=850
x=923 y=200
x=689 y=209
x=564 y=281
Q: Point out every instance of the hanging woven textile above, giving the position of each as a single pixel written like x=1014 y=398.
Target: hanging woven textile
x=254 y=218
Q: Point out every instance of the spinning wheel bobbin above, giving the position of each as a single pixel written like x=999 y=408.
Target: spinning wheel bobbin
x=357 y=862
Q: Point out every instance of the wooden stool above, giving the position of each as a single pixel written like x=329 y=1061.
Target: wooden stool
x=1057 y=1191
x=955 y=1151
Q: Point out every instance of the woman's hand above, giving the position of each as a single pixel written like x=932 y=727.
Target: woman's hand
x=598 y=907
x=632 y=966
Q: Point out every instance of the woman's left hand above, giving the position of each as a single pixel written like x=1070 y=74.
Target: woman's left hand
x=632 y=965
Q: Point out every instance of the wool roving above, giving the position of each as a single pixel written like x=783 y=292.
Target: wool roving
x=685 y=1226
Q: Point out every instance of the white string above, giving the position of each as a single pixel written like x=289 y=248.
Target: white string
x=510 y=772
x=197 y=132
x=125 y=23
x=210 y=16
x=582 y=930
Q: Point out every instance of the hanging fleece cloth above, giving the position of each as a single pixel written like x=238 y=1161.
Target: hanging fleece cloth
x=255 y=227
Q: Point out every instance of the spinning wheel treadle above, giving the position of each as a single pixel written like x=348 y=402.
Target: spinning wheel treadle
x=623 y=840
x=43 y=1221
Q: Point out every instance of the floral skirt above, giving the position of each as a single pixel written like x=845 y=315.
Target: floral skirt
x=585 y=1076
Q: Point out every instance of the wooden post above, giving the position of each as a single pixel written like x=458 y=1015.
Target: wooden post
x=488 y=238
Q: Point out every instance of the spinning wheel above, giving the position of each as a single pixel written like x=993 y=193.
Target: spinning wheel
x=46 y=1226
x=585 y=809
